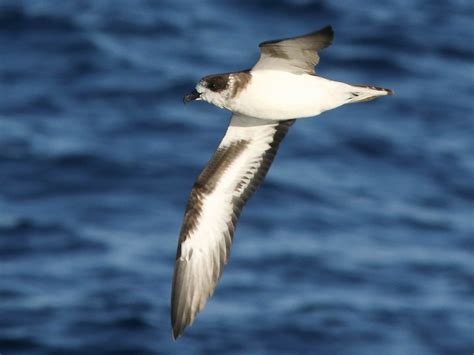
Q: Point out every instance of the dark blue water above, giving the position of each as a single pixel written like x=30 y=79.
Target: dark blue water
x=360 y=241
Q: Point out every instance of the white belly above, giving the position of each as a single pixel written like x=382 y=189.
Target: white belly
x=280 y=95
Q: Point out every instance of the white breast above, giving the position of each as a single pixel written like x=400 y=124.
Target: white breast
x=273 y=94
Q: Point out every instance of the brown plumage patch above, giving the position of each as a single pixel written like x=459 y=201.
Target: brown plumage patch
x=281 y=130
x=321 y=38
x=242 y=79
x=205 y=184
x=295 y=54
x=220 y=161
x=274 y=51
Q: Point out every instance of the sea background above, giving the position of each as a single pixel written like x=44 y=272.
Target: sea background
x=360 y=241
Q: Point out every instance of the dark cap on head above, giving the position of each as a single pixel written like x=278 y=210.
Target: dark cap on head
x=216 y=83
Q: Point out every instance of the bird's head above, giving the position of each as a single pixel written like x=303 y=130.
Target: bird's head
x=215 y=89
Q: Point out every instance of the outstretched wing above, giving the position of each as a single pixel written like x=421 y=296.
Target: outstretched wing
x=297 y=54
x=232 y=175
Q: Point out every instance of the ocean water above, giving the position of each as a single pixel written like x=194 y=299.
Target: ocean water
x=360 y=241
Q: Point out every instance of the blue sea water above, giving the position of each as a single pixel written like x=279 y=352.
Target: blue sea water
x=360 y=241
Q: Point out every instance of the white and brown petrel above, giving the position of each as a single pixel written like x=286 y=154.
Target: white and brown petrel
x=264 y=101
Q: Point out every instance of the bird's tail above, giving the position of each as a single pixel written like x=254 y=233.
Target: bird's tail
x=363 y=93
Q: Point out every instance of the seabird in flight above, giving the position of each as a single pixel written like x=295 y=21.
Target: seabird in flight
x=265 y=101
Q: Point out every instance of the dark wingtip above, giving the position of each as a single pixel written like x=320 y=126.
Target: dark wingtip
x=176 y=333
x=326 y=31
x=178 y=328
x=329 y=32
x=176 y=325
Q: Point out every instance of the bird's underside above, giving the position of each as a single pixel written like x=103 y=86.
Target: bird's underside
x=238 y=166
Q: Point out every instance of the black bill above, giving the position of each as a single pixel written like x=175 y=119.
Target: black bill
x=192 y=96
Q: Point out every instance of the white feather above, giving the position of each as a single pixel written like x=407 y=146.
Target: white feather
x=279 y=95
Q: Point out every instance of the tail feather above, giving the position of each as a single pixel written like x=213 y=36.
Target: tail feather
x=375 y=88
x=363 y=93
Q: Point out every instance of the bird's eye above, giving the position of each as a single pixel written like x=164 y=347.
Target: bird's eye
x=212 y=86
